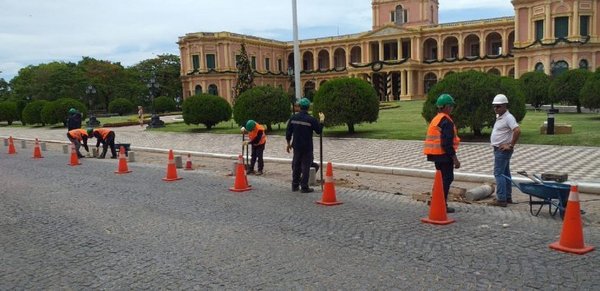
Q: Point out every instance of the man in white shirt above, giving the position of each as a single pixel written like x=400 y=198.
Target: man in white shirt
x=505 y=135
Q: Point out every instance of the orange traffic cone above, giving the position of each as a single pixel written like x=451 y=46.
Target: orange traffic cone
x=437 y=210
x=74 y=157
x=11 y=146
x=123 y=169
x=328 y=198
x=241 y=180
x=171 y=169
x=37 y=152
x=188 y=163
x=571 y=237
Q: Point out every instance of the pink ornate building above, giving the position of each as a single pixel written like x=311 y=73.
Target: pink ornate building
x=407 y=50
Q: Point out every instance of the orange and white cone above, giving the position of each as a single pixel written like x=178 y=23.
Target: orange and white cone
x=328 y=198
x=123 y=168
x=11 y=146
x=37 y=152
x=241 y=180
x=571 y=236
x=188 y=163
x=437 y=210
x=74 y=158
x=171 y=169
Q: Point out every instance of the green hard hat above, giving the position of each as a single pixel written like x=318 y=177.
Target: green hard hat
x=90 y=131
x=250 y=125
x=304 y=103
x=72 y=111
x=445 y=99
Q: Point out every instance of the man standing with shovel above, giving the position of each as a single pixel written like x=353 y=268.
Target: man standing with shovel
x=299 y=136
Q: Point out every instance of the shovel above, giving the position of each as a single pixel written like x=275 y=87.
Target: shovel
x=536 y=180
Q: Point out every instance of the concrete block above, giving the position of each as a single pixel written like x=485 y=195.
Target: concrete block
x=95 y=152
x=65 y=149
x=23 y=144
x=312 y=174
x=178 y=162
x=43 y=146
x=131 y=156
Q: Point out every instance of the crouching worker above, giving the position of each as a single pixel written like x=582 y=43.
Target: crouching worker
x=106 y=137
x=78 y=137
x=257 y=138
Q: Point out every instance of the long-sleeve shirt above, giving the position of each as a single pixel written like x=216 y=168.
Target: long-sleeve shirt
x=447 y=138
x=300 y=129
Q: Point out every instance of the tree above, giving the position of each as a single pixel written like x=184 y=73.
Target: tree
x=48 y=82
x=473 y=93
x=534 y=86
x=8 y=111
x=166 y=70
x=120 y=106
x=110 y=79
x=590 y=93
x=347 y=101
x=567 y=86
x=274 y=106
x=164 y=104
x=4 y=89
x=245 y=76
x=32 y=113
x=206 y=109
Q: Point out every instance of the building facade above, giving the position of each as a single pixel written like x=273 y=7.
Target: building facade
x=407 y=51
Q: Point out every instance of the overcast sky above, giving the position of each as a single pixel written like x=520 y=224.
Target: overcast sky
x=129 y=31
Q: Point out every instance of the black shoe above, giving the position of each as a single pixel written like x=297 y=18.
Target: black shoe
x=510 y=201
x=307 y=190
x=295 y=188
x=113 y=157
x=250 y=172
x=80 y=156
x=499 y=203
x=449 y=209
x=259 y=173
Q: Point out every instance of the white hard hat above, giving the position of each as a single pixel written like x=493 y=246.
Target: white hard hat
x=500 y=99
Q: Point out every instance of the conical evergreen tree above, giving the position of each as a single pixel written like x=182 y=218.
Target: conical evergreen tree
x=245 y=79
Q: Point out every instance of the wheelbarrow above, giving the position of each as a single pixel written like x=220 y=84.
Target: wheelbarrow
x=542 y=193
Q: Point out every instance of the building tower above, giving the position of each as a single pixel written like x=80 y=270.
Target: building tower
x=404 y=12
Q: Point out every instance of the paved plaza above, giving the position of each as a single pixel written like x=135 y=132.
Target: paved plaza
x=86 y=228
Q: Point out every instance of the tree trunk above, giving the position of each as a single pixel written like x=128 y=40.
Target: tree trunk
x=350 y=127
x=269 y=127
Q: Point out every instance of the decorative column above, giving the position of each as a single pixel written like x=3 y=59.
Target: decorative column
x=410 y=85
x=399 y=42
x=381 y=58
x=331 y=58
x=548 y=23
x=575 y=27
x=403 y=83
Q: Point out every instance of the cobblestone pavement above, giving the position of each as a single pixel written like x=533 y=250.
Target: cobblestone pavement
x=86 y=228
x=581 y=163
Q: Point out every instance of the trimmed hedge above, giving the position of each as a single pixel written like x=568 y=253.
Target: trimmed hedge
x=32 y=113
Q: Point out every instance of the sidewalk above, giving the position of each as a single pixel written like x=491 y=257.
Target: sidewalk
x=370 y=155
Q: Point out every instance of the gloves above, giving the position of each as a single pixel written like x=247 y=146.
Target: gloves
x=321 y=117
x=245 y=143
x=243 y=129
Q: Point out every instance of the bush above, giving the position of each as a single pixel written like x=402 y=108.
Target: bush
x=8 y=111
x=32 y=114
x=205 y=109
x=590 y=93
x=347 y=101
x=20 y=106
x=473 y=93
x=164 y=104
x=534 y=86
x=121 y=106
x=264 y=104
x=57 y=110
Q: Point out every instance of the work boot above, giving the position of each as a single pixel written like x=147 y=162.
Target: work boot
x=307 y=190
x=449 y=209
x=250 y=172
x=498 y=203
x=295 y=188
x=259 y=173
x=113 y=157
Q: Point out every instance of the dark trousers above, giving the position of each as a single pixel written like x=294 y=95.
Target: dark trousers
x=447 y=169
x=301 y=163
x=109 y=141
x=257 y=154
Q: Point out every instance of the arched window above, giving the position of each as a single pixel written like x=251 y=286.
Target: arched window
x=401 y=16
x=309 y=90
x=559 y=67
x=430 y=80
x=511 y=72
x=539 y=67
x=213 y=90
x=198 y=90
x=583 y=64
x=494 y=71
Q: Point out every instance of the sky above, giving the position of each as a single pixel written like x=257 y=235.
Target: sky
x=34 y=32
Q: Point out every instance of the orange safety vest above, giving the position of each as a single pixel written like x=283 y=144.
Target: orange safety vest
x=433 y=140
x=78 y=133
x=103 y=132
x=254 y=133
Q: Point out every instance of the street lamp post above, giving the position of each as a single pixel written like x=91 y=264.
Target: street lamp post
x=155 y=121
x=89 y=91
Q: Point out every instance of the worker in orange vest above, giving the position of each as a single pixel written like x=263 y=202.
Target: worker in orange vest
x=78 y=137
x=106 y=137
x=257 y=138
x=442 y=142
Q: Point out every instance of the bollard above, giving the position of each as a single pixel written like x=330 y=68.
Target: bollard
x=131 y=156
x=178 y=162
x=95 y=153
x=5 y=142
x=43 y=146
x=65 y=149
x=312 y=177
x=23 y=144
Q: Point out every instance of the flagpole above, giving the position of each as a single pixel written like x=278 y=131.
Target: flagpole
x=297 y=63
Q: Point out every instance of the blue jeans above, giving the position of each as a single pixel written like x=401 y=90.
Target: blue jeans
x=502 y=166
